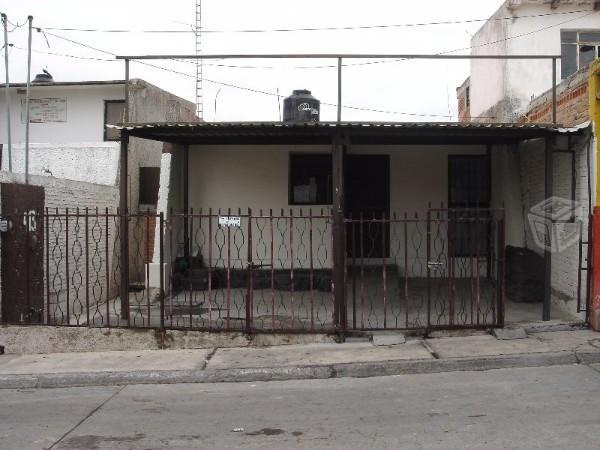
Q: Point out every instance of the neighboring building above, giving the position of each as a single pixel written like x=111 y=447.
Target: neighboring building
x=501 y=90
x=69 y=138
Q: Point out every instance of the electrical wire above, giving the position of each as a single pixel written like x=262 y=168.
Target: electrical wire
x=364 y=63
x=194 y=29
x=40 y=29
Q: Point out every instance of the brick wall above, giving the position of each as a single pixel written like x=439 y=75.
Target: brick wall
x=462 y=93
x=572 y=104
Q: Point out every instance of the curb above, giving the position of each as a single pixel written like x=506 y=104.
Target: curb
x=319 y=372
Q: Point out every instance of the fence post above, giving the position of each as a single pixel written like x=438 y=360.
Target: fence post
x=500 y=276
x=339 y=244
x=161 y=269
x=124 y=227
x=250 y=274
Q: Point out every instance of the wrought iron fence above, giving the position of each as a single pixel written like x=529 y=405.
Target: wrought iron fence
x=262 y=271
x=443 y=269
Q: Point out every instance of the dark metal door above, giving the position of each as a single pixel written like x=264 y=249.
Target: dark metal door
x=22 y=253
x=367 y=184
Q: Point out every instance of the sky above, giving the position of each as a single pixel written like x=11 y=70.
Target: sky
x=391 y=91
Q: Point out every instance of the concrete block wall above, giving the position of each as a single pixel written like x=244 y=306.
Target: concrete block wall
x=565 y=264
x=61 y=194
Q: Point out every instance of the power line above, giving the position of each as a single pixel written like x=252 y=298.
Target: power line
x=354 y=64
x=194 y=29
x=365 y=63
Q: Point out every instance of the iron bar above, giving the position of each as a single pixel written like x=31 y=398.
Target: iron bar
x=161 y=268
x=107 y=265
x=124 y=225
x=336 y=56
x=339 y=89
x=87 y=266
x=548 y=193
x=28 y=100
x=127 y=118
x=554 y=101
x=7 y=92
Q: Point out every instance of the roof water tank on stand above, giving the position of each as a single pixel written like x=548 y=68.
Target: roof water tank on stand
x=301 y=106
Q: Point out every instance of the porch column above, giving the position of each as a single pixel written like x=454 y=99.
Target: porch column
x=339 y=242
x=185 y=168
x=548 y=192
x=124 y=225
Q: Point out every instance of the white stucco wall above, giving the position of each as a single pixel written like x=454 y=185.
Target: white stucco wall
x=256 y=177
x=518 y=80
x=96 y=162
x=85 y=113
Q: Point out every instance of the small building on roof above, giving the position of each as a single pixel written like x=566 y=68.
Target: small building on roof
x=406 y=224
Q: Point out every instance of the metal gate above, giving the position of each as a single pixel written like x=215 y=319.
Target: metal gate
x=22 y=253
x=443 y=270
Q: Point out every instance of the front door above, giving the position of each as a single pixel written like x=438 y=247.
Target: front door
x=22 y=253
x=367 y=185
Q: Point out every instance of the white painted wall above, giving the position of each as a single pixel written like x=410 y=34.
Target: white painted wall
x=96 y=162
x=519 y=80
x=85 y=113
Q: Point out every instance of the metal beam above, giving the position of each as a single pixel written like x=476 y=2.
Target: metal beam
x=336 y=56
x=339 y=90
x=548 y=192
x=554 y=101
x=124 y=225
x=339 y=236
x=185 y=169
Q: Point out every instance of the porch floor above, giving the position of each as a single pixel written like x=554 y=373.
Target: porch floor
x=402 y=307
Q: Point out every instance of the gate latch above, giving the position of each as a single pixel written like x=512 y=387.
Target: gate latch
x=5 y=225
x=435 y=264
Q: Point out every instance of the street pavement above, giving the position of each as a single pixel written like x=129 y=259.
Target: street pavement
x=517 y=408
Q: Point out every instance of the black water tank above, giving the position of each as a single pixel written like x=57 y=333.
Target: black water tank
x=43 y=77
x=301 y=106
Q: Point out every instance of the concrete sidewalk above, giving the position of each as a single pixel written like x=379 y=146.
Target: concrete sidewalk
x=286 y=362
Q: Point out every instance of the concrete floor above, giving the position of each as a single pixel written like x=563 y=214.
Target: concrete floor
x=404 y=307
x=531 y=408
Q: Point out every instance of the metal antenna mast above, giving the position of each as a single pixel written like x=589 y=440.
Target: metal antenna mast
x=198 y=33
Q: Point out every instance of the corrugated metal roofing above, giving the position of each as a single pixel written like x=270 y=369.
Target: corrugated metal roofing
x=329 y=125
x=368 y=133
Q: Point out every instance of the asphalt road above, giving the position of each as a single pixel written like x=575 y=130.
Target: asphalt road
x=547 y=408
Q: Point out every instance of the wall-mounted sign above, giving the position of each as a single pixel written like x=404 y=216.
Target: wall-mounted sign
x=230 y=221
x=44 y=110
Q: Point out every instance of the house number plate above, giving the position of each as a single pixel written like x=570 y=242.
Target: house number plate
x=230 y=221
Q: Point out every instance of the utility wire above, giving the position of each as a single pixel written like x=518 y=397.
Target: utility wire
x=364 y=63
x=39 y=29
x=331 y=28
